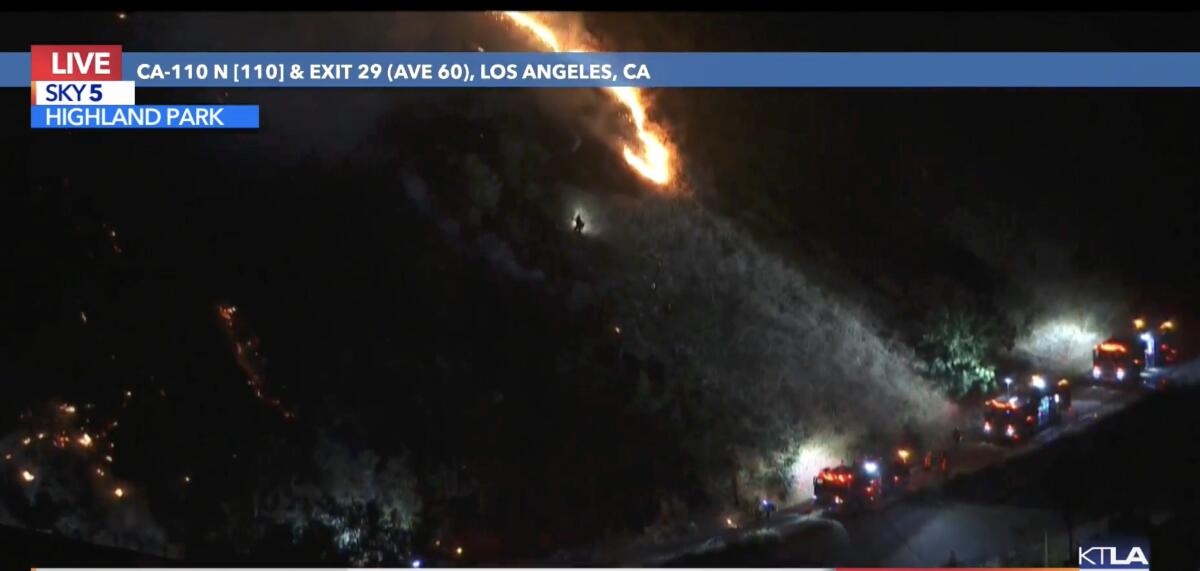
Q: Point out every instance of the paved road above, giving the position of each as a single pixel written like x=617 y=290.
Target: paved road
x=926 y=529
x=919 y=529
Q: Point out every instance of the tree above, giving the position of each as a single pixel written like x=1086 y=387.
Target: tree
x=366 y=506
x=956 y=344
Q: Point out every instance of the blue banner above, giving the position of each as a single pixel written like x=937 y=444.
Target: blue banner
x=659 y=69
x=143 y=117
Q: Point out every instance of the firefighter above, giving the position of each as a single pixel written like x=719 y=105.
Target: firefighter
x=579 y=224
x=767 y=507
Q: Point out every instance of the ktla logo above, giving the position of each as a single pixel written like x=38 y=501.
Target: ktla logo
x=1122 y=555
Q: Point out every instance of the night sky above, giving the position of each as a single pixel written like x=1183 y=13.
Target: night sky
x=469 y=340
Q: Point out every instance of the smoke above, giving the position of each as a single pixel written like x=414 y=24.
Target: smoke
x=1187 y=373
x=500 y=254
x=1058 y=309
x=786 y=361
x=789 y=361
x=490 y=246
x=568 y=28
x=1060 y=342
x=66 y=497
x=1061 y=312
x=806 y=458
x=802 y=376
x=808 y=375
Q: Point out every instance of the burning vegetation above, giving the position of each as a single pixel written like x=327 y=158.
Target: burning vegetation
x=246 y=352
x=500 y=348
x=650 y=156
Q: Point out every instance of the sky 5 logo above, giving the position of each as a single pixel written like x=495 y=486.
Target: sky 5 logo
x=1122 y=555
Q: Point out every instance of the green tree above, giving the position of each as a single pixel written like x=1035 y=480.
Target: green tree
x=956 y=344
x=357 y=504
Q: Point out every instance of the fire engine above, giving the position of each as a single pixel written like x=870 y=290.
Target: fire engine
x=1117 y=360
x=847 y=487
x=1019 y=413
x=1157 y=343
x=1147 y=348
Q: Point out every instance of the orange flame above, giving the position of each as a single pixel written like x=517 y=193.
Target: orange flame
x=653 y=158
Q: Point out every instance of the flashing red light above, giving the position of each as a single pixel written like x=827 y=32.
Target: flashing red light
x=1112 y=347
x=1002 y=405
x=834 y=476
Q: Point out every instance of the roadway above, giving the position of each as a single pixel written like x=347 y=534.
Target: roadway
x=920 y=528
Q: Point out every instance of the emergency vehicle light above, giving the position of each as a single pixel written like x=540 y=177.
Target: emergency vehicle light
x=831 y=476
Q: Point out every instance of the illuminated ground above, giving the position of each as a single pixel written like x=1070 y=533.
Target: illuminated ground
x=920 y=530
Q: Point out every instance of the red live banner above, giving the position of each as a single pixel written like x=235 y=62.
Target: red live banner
x=75 y=63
